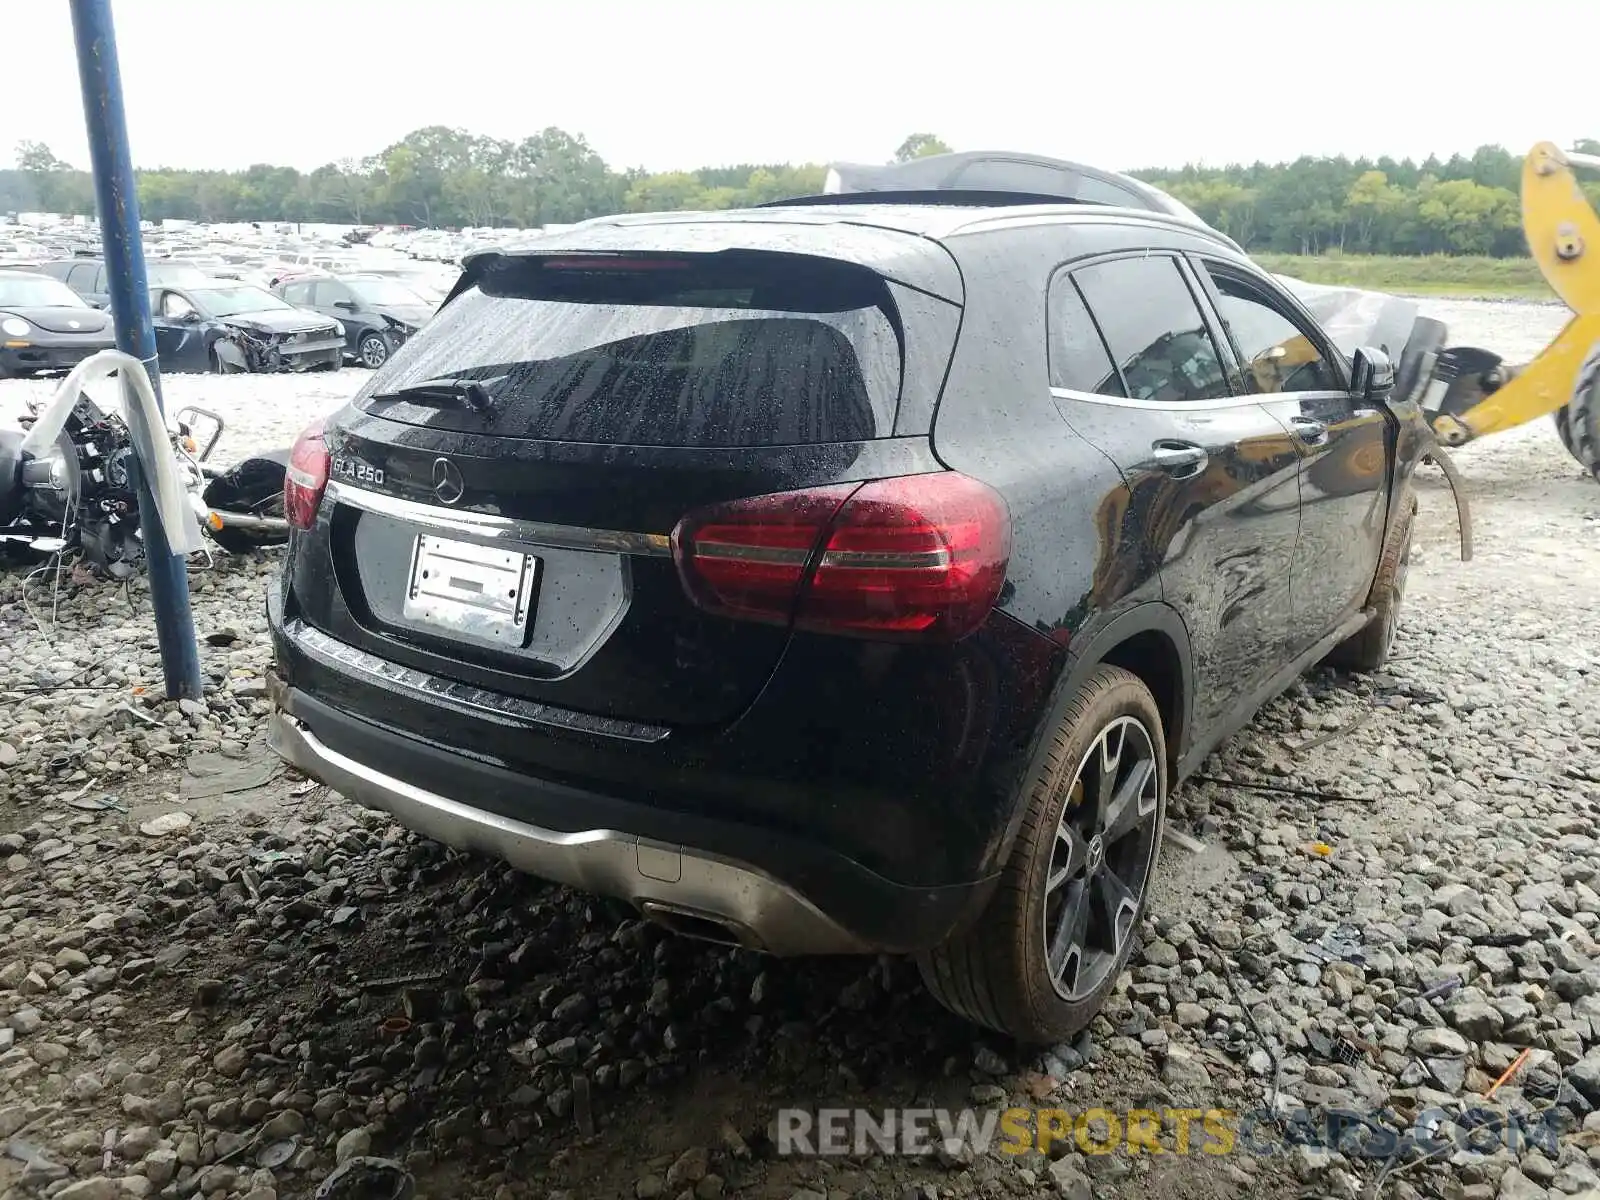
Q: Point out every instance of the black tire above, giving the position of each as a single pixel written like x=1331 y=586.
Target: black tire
x=1583 y=415
x=1368 y=650
x=1563 y=423
x=1428 y=337
x=996 y=970
x=220 y=365
x=372 y=351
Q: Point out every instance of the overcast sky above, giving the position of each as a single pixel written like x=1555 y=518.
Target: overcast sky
x=689 y=83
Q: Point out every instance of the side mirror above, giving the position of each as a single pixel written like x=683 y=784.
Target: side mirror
x=190 y=318
x=1372 y=375
x=347 y=305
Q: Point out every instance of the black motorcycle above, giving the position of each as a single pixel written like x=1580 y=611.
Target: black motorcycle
x=81 y=497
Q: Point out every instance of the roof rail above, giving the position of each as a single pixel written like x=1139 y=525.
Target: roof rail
x=1123 y=215
x=954 y=197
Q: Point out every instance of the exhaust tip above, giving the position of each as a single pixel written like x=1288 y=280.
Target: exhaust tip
x=702 y=926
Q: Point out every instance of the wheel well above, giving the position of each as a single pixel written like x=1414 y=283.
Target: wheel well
x=1152 y=656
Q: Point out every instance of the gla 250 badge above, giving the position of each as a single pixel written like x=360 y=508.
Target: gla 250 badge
x=355 y=469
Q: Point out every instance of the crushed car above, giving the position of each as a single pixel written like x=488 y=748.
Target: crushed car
x=235 y=327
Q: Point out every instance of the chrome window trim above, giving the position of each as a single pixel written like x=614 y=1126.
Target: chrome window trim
x=1195 y=405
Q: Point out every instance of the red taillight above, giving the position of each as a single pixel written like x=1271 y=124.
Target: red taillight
x=919 y=556
x=306 y=478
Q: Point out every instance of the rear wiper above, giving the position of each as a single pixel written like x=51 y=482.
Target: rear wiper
x=470 y=392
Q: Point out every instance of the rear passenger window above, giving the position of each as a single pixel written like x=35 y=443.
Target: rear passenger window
x=1078 y=358
x=1277 y=356
x=1154 y=330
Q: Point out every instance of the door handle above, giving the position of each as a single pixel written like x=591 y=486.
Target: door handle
x=1309 y=430
x=1179 y=459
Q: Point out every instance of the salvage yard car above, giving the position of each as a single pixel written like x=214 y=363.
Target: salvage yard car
x=377 y=313
x=854 y=574
x=46 y=326
x=227 y=327
x=87 y=276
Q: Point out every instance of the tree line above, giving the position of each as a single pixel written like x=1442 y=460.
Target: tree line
x=439 y=177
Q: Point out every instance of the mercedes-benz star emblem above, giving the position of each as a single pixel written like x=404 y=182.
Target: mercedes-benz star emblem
x=1095 y=855
x=447 y=482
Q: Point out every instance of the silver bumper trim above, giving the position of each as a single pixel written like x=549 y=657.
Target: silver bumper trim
x=666 y=881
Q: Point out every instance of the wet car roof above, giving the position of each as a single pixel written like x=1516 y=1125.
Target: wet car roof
x=905 y=242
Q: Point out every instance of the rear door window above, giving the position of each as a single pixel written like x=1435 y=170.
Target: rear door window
x=1154 y=329
x=732 y=349
x=1079 y=360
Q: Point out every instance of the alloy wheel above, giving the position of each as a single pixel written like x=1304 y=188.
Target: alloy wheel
x=1101 y=859
x=374 y=351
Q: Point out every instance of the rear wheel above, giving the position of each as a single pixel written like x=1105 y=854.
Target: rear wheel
x=1582 y=437
x=1369 y=649
x=1040 y=960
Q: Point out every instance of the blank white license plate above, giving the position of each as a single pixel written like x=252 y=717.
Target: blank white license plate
x=480 y=592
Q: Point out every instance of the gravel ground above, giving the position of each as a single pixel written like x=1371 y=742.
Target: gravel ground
x=229 y=1001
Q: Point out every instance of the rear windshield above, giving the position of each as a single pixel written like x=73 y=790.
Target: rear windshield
x=733 y=349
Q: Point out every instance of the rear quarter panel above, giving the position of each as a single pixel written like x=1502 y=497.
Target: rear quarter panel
x=1076 y=559
x=1078 y=573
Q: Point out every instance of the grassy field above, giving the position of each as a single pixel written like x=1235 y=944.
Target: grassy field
x=1434 y=274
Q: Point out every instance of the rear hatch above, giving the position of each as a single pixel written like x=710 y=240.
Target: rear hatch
x=505 y=488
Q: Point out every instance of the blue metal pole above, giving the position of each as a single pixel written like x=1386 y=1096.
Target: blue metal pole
x=101 y=80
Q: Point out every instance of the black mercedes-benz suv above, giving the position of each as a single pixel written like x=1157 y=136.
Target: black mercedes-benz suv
x=851 y=574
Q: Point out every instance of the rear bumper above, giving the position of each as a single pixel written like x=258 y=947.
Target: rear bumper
x=740 y=883
x=667 y=881
x=870 y=789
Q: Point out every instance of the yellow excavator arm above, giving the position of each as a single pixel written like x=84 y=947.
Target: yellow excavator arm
x=1563 y=233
